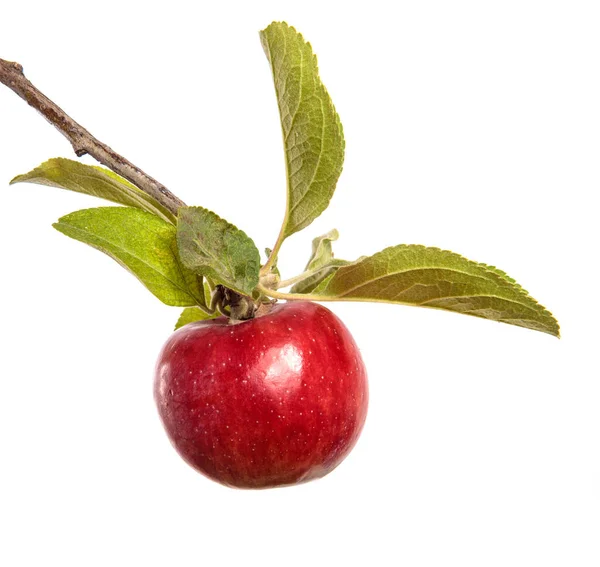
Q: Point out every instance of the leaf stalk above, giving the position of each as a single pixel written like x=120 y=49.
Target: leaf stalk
x=300 y=277
x=266 y=269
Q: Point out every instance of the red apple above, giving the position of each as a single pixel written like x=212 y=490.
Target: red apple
x=276 y=400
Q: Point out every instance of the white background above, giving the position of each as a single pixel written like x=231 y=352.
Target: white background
x=474 y=126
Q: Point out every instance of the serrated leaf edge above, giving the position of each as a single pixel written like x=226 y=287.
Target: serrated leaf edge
x=61 y=221
x=499 y=276
x=228 y=260
x=284 y=229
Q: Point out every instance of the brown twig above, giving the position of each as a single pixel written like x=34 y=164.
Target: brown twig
x=11 y=75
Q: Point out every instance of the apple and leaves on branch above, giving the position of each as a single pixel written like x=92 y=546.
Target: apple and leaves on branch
x=182 y=257
x=289 y=404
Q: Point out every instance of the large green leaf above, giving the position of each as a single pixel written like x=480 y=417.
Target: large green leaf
x=214 y=248
x=140 y=242
x=95 y=181
x=312 y=131
x=430 y=277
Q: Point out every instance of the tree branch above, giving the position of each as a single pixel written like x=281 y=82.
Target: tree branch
x=11 y=75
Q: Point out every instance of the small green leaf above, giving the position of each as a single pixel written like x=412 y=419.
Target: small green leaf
x=274 y=267
x=207 y=293
x=191 y=315
x=214 y=248
x=310 y=283
x=430 y=277
x=96 y=181
x=140 y=242
x=321 y=263
x=312 y=131
x=322 y=250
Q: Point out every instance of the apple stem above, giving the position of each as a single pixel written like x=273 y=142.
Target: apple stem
x=232 y=304
x=11 y=75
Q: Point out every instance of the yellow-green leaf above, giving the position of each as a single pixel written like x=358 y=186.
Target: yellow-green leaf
x=96 y=181
x=142 y=243
x=191 y=315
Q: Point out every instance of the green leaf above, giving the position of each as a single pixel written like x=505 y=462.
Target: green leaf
x=207 y=293
x=96 y=181
x=322 y=250
x=321 y=263
x=191 y=315
x=214 y=248
x=274 y=267
x=312 y=131
x=430 y=277
x=140 y=242
x=313 y=281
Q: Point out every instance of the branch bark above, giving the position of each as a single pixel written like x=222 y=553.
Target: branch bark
x=11 y=75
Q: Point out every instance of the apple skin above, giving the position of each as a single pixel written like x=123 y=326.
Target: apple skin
x=277 y=400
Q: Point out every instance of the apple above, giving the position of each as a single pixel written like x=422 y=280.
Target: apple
x=267 y=395
x=276 y=400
